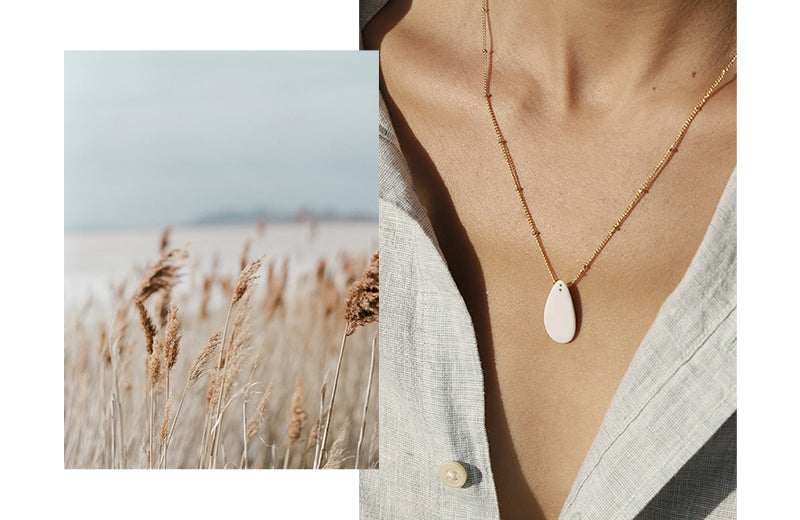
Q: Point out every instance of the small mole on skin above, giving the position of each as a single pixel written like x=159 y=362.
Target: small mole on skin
x=654 y=88
x=694 y=74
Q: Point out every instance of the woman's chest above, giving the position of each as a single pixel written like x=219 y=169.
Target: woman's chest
x=545 y=401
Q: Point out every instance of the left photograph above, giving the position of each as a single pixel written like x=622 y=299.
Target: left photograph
x=220 y=262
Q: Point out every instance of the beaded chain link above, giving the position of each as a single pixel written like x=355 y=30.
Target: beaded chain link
x=640 y=193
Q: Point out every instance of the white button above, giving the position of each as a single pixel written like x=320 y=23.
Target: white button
x=452 y=474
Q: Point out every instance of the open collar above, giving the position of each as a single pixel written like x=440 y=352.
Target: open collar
x=679 y=388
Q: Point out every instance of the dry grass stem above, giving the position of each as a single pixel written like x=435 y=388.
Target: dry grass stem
x=195 y=372
x=323 y=445
x=366 y=402
x=245 y=256
x=320 y=422
x=245 y=282
x=361 y=308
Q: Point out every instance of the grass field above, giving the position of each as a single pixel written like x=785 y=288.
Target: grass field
x=224 y=361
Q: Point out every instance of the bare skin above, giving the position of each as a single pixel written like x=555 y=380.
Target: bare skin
x=589 y=96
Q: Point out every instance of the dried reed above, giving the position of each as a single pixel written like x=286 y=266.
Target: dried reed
x=338 y=454
x=195 y=372
x=297 y=337
x=362 y=301
x=361 y=308
x=162 y=274
x=163 y=242
x=244 y=283
x=366 y=402
x=296 y=421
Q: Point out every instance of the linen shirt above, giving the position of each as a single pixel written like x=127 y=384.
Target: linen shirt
x=666 y=448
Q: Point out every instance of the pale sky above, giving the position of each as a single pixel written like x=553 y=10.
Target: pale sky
x=158 y=138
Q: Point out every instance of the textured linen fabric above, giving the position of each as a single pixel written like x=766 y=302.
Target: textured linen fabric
x=667 y=446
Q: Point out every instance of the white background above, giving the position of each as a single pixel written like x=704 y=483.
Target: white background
x=34 y=36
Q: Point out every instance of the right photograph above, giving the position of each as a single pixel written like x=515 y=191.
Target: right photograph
x=557 y=227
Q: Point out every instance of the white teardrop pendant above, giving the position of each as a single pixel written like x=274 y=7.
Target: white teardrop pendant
x=559 y=314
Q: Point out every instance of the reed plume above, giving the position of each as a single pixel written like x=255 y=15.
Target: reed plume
x=170 y=352
x=321 y=267
x=208 y=281
x=313 y=436
x=164 y=240
x=298 y=414
x=173 y=338
x=338 y=453
x=297 y=417
x=226 y=286
x=103 y=349
x=164 y=433
x=155 y=364
x=148 y=326
x=275 y=288
x=255 y=421
x=201 y=361
x=246 y=278
x=362 y=300
x=162 y=274
x=212 y=394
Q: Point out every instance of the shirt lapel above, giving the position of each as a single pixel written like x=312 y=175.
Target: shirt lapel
x=679 y=389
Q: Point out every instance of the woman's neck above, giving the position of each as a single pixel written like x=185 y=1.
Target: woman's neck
x=594 y=54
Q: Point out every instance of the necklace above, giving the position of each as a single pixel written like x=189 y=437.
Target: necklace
x=559 y=311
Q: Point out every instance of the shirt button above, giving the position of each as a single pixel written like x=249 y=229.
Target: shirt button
x=452 y=474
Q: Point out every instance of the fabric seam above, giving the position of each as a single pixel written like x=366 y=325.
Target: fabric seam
x=692 y=434
x=644 y=406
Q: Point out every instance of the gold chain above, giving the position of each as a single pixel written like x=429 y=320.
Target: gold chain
x=643 y=189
